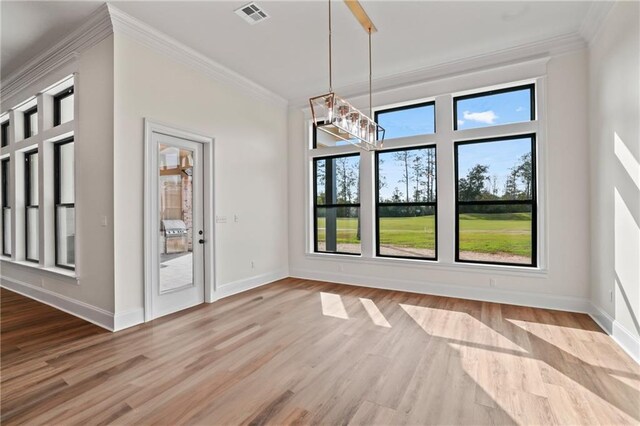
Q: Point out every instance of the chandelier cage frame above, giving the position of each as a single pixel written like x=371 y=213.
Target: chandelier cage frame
x=335 y=116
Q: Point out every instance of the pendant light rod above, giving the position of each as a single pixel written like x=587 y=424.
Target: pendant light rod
x=370 y=74
x=330 y=70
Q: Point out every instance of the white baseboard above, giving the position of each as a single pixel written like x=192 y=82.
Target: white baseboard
x=623 y=337
x=128 y=319
x=485 y=294
x=235 y=287
x=83 y=310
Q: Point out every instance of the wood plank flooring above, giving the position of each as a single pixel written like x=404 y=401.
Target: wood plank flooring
x=307 y=352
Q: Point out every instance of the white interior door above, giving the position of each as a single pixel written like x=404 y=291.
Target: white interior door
x=177 y=224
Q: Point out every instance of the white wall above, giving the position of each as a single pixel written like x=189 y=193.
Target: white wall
x=614 y=116
x=565 y=284
x=92 y=294
x=250 y=165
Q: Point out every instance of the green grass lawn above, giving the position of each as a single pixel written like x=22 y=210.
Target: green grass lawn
x=484 y=233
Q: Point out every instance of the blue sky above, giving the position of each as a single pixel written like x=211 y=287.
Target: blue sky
x=408 y=122
x=503 y=108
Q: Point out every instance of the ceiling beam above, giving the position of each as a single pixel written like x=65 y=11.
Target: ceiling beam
x=358 y=11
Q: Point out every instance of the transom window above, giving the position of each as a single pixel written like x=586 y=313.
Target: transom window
x=5 y=134
x=31 y=122
x=408 y=120
x=504 y=106
x=63 y=106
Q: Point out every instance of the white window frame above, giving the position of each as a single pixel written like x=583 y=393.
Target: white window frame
x=43 y=141
x=444 y=139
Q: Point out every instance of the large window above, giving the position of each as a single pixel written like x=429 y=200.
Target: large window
x=63 y=106
x=31 y=205
x=504 y=106
x=409 y=120
x=496 y=201
x=6 y=208
x=31 y=122
x=64 y=194
x=406 y=203
x=5 y=134
x=337 y=204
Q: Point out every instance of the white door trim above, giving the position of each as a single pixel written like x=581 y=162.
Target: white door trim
x=150 y=127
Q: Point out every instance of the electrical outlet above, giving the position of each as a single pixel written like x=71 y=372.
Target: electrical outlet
x=492 y=282
x=236 y=218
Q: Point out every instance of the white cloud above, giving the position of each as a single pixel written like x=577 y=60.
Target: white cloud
x=460 y=122
x=519 y=109
x=487 y=117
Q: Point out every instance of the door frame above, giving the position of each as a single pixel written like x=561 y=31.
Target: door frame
x=151 y=264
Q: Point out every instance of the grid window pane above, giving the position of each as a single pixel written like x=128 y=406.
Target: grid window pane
x=500 y=170
x=407 y=175
x=496 y=201
x=506 y=106
x=338 y=229
x=65 y=236
x=496 y=233
x=336 y=203
x=338 y=180
x=6 y=209
x=32 y=233
x=30 y=123
x=407 y=231
x=5 y=134
x=6 y=231
x=408 y=121
x=32 y=170
x=65 y=204
x=65 y=109
x=66 y=173
x=406 y=203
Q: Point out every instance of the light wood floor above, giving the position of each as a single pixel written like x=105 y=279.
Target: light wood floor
x=305 y=352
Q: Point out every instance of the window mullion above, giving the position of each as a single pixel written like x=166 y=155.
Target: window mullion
x=367 y=204
x=445 y=178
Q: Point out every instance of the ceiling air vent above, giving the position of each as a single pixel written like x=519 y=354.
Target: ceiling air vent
x=252 y=13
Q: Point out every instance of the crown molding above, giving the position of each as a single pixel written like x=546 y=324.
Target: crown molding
x=107 y=20
x=593 y=20
x=95 y=29
x=150 y=37
x=523 y=53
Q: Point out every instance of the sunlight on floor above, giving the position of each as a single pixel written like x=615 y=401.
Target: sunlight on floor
x=332 y=306
x=374 y=313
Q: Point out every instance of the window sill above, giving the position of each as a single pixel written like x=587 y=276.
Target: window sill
x=521 y=271
x=50 y=270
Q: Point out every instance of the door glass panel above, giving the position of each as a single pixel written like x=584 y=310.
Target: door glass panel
x=175 y=194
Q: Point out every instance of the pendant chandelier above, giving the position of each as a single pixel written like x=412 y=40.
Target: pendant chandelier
x=337 y=117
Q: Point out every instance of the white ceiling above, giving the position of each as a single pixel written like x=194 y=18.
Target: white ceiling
x=288 y=53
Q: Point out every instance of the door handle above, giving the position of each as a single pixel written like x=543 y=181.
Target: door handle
x=201 y=241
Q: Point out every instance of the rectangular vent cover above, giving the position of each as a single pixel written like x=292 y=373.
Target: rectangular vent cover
x=252 y=13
